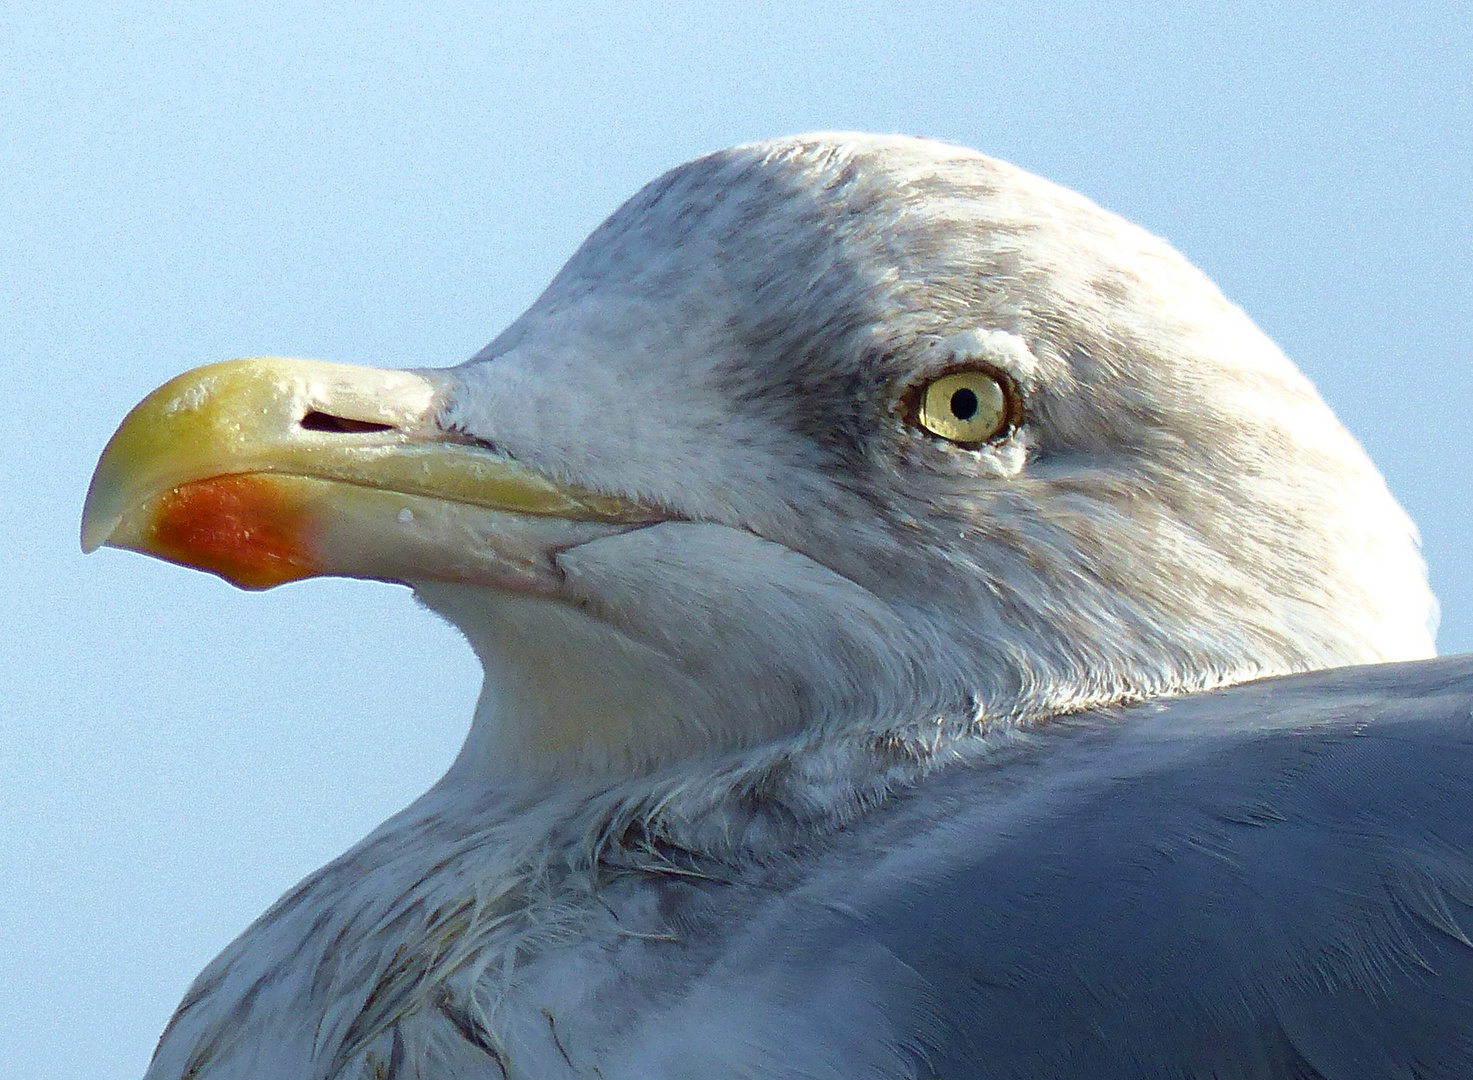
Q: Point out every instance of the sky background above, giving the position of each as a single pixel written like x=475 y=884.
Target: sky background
x=391 y=184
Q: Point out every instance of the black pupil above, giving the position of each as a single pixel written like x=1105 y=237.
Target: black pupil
x=964 y=404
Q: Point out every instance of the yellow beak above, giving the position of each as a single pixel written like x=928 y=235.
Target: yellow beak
x=268 y=470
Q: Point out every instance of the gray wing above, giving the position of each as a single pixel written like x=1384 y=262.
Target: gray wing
x=1272 y=881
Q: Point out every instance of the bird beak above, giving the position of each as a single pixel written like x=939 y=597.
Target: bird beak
x=266 y=471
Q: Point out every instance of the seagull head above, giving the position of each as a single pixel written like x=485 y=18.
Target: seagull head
x=825 y=438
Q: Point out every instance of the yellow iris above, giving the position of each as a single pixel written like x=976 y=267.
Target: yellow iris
x=964 y=407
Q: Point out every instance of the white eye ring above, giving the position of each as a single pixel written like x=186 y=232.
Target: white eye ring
x=964 y=407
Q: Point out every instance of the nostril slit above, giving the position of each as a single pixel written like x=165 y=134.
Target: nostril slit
x=321 y=421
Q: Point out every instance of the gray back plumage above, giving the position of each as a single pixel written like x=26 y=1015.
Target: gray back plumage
x=1273 y=881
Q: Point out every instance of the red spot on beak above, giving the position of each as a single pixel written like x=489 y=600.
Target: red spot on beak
x=240 y=527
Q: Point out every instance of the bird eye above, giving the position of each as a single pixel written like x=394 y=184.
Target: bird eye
x=964 y=407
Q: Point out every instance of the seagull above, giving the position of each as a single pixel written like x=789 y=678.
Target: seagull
x=928 y=632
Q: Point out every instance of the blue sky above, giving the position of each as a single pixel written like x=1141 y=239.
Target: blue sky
x=390 y=184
